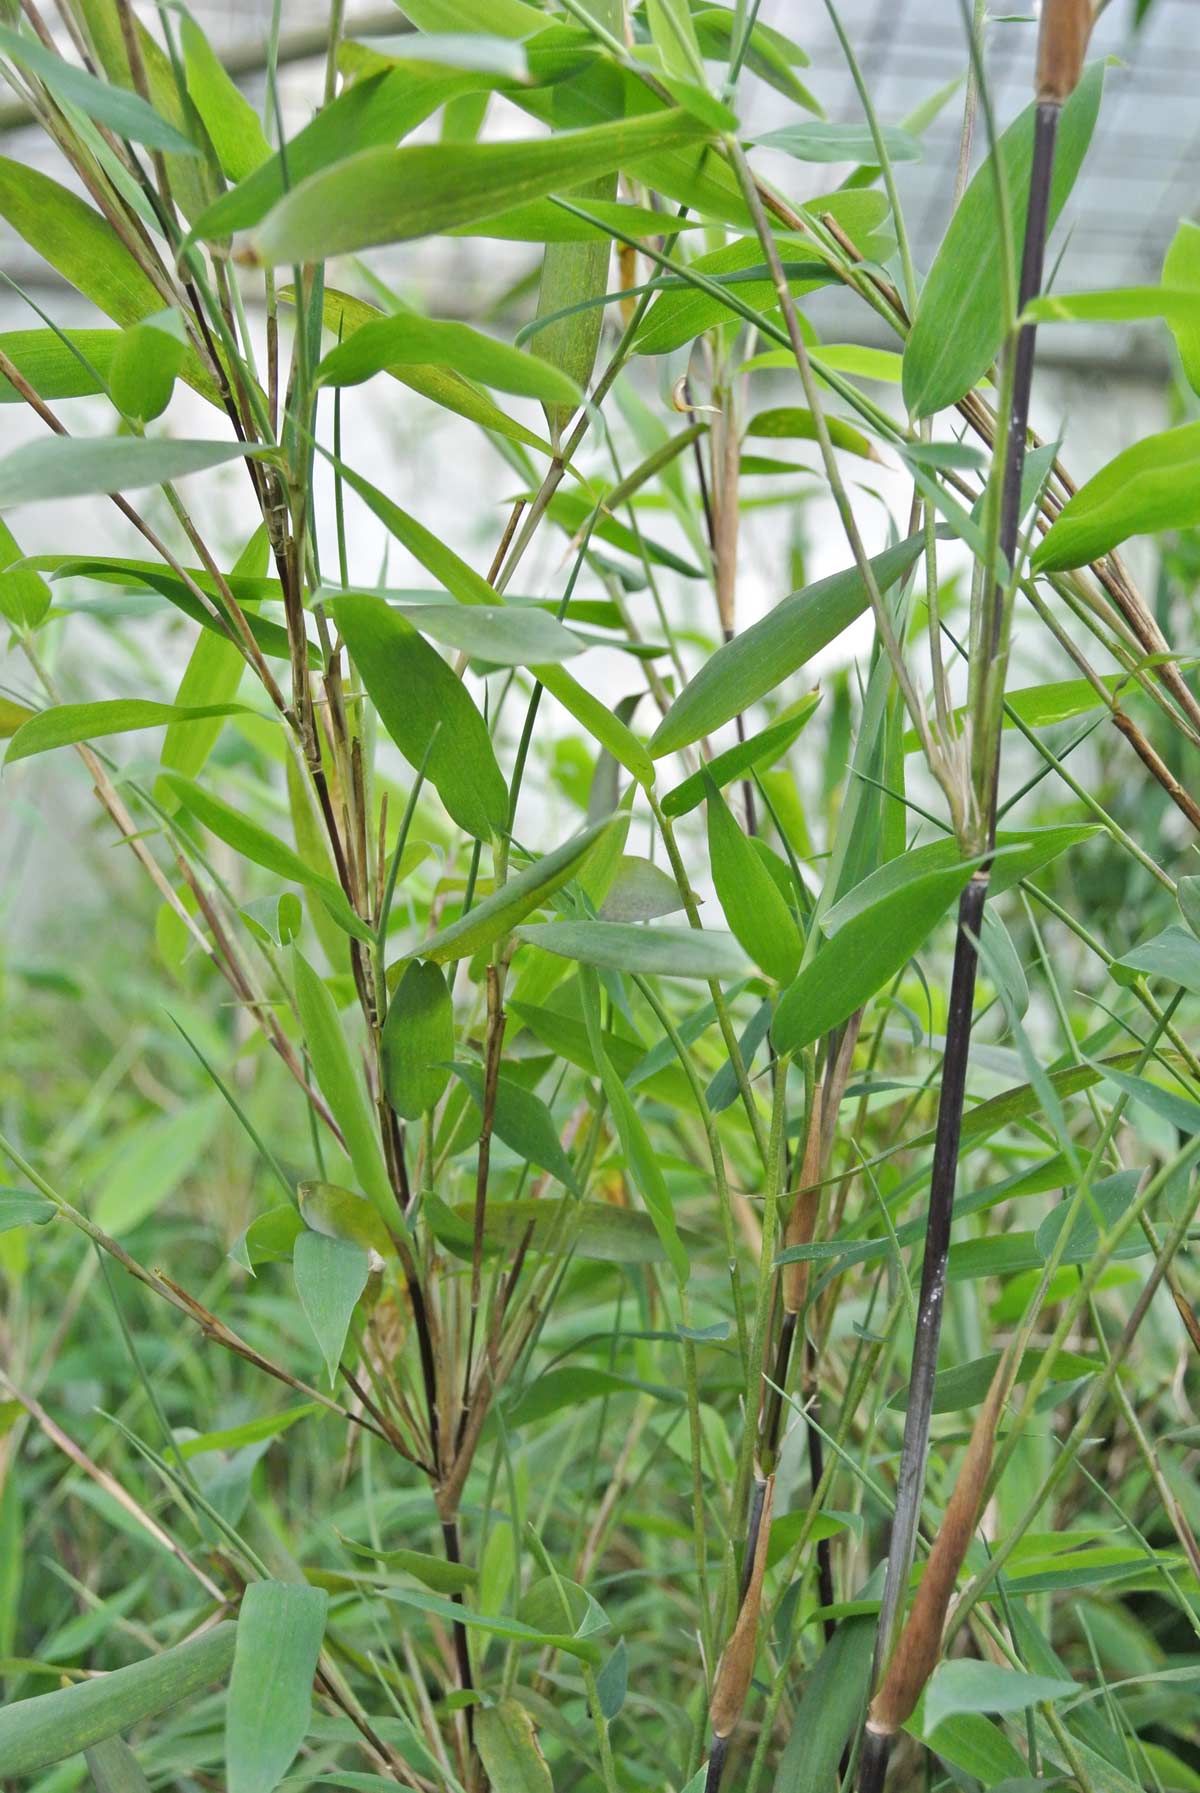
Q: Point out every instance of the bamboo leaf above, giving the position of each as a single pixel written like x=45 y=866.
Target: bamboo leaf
x=52 y=367
x=141 y=376
x=114 y=1768
x=830 y=1706
x=126 y=114
x=211 y=676
x=959 y=321
x=499 y=913
x=651 y=952
x=556 y=1226
x=509 y=1750
x=1181 y=273
x=37 y=1732
x=963 y=1686
x=279 y=1635
x=1153 y=485
x=395 y=195
x=265 y=849
x=341 y=1086
x=21 y=1207
x=418 y=1040
x=756 y=912
x=863 y=955
x=1174 y=954
x=757 y=751
x=229 y=118
x=330 y=1275
x=640 y=891
x=815 y=141
x=408 y=338
x=80 y=466
x=65 y=724
x=793 y=422
x=770 y=650
x=522 y=1121
x=500 y=635
x=426 y=711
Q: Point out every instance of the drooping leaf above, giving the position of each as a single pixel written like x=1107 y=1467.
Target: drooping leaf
x=869 y=949
x=770 y=650
x=959 y=321
x=35 y=1733
x=330 y=1274
x=280 y=1630
x=499 y=913
x=653 y=952
x=1148 y=487
x=229 y=118
x=416 y=694
x=81 y=466
x=141 y=375
x=754 y=908
x=394 y=195
x=65 y=724
x=126 y=114
x=341 y=1085
x=80 y=244
x=263 y=848
x=522 y=1120
x=1181 y=273
x=418 y=1040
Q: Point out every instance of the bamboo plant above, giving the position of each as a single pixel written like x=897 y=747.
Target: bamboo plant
x=545 y=1081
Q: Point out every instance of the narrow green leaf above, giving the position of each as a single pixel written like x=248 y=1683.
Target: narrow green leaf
x=394 y=195
x=81 y=245
x=330 y=1274
x=21 y=1207
x=509 y=1750
x=653 y=952
x=966 y=1384
x=754 y=908
x=965 y=1686
x=1153 y=485
x=148 y=1161
x=265 y=849
x=640 y=891
x=501 y=635
x=596 y=1230
x=341 y=1214
x=211 y=676
x=52 y=367
x=407 y=337
x=522 y=1121
x=863 y=955
x=229 y=118
x=814 y=141
x=37 y=1732
x=1181 y=273
x=829 y=1709
x=341 y=1085
x=499 y=913
x=793 y=422
x=65 y=724
x=770 y=650
x=124 y=113
x=416 y=694
x=418 y=1040
x=280 y=1630
x=114 y=1768
x=1174 y=954
x=493 y=1624
x=757 y=751
x=959 y=320
x=600 y=721
x=639 y=1154
x=232 y=1438
x=81 y=466
x=142 y=373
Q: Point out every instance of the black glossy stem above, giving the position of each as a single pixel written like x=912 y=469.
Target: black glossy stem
x=915 y=1450
x=716 y=1764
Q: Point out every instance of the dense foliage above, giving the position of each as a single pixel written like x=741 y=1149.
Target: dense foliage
x=589 y=1203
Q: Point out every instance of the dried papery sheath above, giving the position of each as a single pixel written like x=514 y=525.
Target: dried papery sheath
x=1062 y=45
x=916 y=1653
x=737 y=1659
x=802 y=1220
